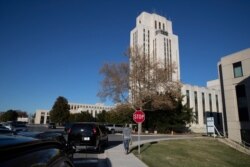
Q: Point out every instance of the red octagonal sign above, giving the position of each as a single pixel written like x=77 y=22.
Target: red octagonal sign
x=138 y=116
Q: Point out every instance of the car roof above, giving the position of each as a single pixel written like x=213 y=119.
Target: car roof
x=12 y=146
x=13 y=140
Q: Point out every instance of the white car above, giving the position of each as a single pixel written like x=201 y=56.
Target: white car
x=7 y=125
x=15 y=127
x=113 y=128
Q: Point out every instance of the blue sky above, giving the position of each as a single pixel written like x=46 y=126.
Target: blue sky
x=51 y=48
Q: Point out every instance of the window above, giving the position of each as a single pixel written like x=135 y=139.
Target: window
x=144 y=42
x=210 y=104
x=217 y=109
x=203 y=108
x=237 y=70
x=196 y=107
x=155 y=24
x=188 y=98
x=159 y=25
x=42 y=120
x=242 y=103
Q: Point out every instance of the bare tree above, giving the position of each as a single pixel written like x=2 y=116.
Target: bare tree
x=151 y=84
x=145 y=80
x=115 y=84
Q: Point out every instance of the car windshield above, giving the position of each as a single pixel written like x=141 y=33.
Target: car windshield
x=83 y=128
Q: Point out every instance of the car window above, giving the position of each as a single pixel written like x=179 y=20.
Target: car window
x=76 y=128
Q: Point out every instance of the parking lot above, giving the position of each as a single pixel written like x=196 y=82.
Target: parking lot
x=85 y=158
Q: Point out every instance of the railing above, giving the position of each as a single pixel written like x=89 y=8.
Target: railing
x=245 y=144
x=219 y=133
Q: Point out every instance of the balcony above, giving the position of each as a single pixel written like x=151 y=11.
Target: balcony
x=161 y=32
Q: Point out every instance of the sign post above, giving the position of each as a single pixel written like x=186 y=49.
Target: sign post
x=210 y=125
x=139 y=117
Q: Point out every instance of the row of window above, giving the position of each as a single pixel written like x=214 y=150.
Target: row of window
x=168 y=57
x=196 y=109
x=74 y=107
x=43 y=113
x=159 y=25
x=241 y=93
x=146 y=39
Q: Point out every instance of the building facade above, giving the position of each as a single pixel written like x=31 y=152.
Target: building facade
x=234 y=74
x=93 y=109
x=42 y=116
x=154 y=35
x=205 y=102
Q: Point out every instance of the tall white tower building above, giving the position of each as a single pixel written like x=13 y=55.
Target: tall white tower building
x=154 y=35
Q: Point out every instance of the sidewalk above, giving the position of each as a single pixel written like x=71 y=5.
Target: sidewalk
x=117 y=157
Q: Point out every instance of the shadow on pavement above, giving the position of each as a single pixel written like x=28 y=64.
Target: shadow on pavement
x=113 y=144
x=141 y=145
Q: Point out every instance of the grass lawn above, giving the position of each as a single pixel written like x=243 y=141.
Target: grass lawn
x=192 y=153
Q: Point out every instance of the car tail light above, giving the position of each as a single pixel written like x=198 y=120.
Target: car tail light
x=94 y=130
x=69 y=130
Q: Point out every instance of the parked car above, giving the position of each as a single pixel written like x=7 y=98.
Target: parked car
x=52 y=125
x=113 y=128
x=88 y=135
x=6 y=132
x=16 y=127
x=51 y=135
x=19 y=127
x=2 y=127
x=7 y=125
x=23 y=151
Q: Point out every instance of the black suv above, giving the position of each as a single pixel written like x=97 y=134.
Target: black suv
x=88 y=135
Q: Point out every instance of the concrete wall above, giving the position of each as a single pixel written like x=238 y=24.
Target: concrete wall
x=229 y=83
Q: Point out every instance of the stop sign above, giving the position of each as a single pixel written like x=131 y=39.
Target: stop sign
x=138 y=116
